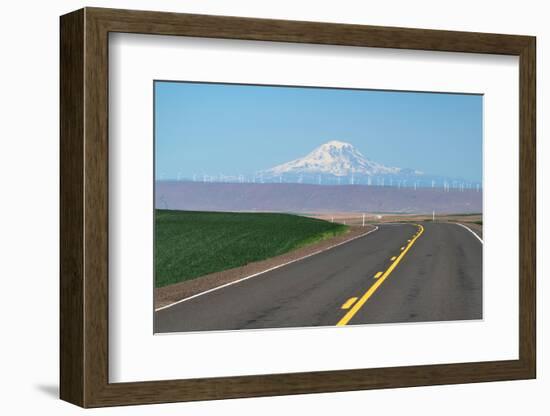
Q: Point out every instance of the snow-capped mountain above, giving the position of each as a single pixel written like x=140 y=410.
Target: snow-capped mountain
x=340 y=163
x=338 y=159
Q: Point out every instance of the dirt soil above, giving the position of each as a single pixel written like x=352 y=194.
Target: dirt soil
x=178 y=291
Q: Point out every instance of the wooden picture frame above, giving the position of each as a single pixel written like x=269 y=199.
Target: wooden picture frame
x=84 y=207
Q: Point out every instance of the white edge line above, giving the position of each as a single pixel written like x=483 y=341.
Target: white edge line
x=264 y=271
x=469 y=229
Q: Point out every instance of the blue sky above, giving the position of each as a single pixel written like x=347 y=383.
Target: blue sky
x=240 y=129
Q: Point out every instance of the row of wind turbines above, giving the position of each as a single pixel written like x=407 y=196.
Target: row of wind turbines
x=446 y=185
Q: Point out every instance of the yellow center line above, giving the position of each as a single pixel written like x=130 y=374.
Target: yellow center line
x=348 y=303
x=377 y=275
x=347 y=317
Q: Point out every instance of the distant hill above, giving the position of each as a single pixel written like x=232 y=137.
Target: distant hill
x=292 y=197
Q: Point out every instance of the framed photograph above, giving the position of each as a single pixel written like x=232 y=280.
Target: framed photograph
x=254 y=207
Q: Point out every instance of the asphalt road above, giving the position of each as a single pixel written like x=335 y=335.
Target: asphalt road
x=425 y=272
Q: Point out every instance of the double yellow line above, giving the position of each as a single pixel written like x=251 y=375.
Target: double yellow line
x=359 y=304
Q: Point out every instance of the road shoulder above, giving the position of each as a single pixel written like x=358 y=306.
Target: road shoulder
x=477 y=229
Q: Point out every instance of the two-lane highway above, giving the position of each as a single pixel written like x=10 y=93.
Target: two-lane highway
x=440 y=279
x=400 y=273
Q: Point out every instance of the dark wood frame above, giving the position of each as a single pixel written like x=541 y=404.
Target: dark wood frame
x=84 y=209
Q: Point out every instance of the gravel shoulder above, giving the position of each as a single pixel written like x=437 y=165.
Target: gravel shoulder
x=179 y=291
x=476 y=228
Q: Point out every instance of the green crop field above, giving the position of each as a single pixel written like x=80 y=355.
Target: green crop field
x=191 y=244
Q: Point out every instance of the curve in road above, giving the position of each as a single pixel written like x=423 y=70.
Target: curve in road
x=436 y=276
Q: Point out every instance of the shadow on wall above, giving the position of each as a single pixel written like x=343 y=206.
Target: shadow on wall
x=51 y=390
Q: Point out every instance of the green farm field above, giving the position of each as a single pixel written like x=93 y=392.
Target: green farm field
x=191 y=244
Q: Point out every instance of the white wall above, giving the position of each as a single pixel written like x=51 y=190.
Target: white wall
x=29 y=209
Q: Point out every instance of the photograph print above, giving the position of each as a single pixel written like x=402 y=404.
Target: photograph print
x=296 y=206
